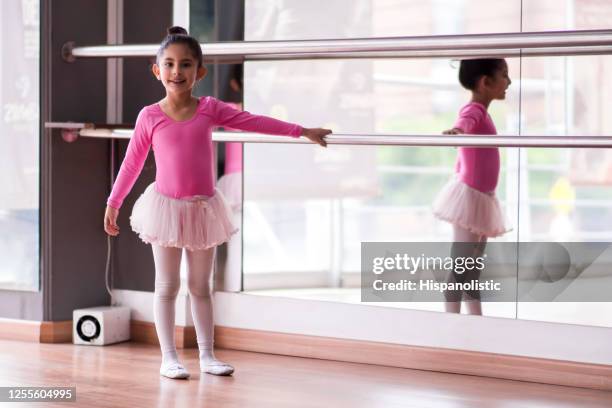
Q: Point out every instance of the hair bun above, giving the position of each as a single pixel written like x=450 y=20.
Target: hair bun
x=177 y=30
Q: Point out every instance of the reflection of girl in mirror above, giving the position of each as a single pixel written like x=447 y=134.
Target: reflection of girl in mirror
x=468 y=200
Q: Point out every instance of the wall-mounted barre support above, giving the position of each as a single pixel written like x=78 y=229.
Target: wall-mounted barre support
x=552 y=43
x=89 y=130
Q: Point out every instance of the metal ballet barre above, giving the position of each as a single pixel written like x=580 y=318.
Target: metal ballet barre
x=90 y=130
x=552 y=43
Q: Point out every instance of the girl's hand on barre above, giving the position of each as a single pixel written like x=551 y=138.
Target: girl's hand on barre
x=316 y=135
x=110 y=221
x=453 y=131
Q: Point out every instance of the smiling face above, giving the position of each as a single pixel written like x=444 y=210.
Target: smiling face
x=499 y=82
x=178 y=69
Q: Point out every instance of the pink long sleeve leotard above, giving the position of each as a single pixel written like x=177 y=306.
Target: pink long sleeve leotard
x=183 y=150
x=478 y=167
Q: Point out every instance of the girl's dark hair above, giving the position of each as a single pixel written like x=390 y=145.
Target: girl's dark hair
x=178 y=35
x=471 y=70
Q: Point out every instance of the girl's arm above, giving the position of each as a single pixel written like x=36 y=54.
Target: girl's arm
x=468 y=120
x=226 y=115
x=136 y=154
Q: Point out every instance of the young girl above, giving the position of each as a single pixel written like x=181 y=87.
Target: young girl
x=468 y=201
x=182 y=209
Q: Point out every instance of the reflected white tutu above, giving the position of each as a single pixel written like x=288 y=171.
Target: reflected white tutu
x=462 y=205
x=231 y=187
x=193 y=223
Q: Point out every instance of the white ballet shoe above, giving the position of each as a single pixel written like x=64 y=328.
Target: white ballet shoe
x=217 y=368
x=175 y=371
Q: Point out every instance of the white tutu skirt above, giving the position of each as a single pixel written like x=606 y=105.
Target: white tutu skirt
x=194 y=223
x=468 y=208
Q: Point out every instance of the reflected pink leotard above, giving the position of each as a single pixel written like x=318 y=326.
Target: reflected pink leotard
x=478 y=167
x=183 y=150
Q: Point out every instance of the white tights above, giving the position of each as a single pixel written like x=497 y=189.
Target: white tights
x=167 y=284
x=463 y=235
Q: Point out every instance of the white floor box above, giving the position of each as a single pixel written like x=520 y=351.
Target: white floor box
x=99 y=326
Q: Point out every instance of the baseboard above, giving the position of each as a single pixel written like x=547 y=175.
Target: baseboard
x=56 y=332
x=61 y=332
x=22 y=330
x=144 y=332
x=567 y=373
x=502 y=366
x=35 y=331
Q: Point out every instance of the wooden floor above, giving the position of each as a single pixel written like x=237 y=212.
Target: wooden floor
x=126 y=375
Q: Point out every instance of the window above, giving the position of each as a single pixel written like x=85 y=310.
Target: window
x=19 y=144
